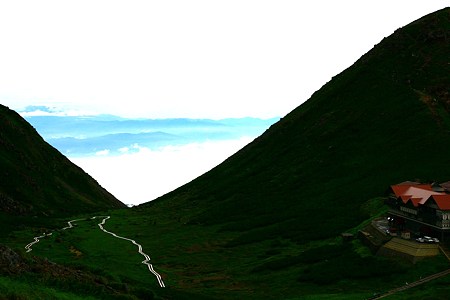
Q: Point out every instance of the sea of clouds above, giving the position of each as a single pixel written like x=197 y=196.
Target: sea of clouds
x=144 y=175
x=139 y=160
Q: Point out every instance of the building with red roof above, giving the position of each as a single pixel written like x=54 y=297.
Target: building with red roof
x=420 y=208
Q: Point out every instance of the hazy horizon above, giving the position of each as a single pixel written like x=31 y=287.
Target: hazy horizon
x=138 y=160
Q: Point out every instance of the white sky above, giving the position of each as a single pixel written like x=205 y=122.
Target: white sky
x=208 y=59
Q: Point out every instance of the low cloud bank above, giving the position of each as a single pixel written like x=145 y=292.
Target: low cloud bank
x=144 y=175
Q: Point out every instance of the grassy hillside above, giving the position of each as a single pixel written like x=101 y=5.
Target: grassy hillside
x=195 y=263
x=381 y=121
x=314 y=175
x=37 y=180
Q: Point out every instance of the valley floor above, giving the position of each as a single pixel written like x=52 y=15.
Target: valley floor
x=194 y=262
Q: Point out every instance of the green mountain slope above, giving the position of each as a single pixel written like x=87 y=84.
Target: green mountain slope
x=264 y=223
x=36 y=179
x=383 y=120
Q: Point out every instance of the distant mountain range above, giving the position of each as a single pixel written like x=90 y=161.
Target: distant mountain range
x=87 y=135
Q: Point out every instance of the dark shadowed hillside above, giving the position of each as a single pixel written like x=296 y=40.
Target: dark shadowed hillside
x=36 y=179
x=383 y=120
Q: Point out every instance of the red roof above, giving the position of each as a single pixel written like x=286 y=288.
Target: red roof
x=405 y=198
x=401 y=189
x=442 y=201
x=416 y=201
x=419 y=194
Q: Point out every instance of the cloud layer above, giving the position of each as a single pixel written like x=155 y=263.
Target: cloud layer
x=147 y=174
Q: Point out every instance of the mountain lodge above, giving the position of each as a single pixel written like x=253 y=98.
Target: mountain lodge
x=420 y=209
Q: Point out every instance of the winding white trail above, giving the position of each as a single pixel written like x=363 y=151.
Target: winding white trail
x=100 y=225
x=147 y=258
x=70 y=223
x=36 y=240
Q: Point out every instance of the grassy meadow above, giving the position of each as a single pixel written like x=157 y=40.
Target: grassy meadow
x=198 y=262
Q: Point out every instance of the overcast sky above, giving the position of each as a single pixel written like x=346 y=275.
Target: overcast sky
x=208 y=59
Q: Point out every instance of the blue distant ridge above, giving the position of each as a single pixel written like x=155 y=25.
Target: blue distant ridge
x=113 y=142
x=85 y=135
